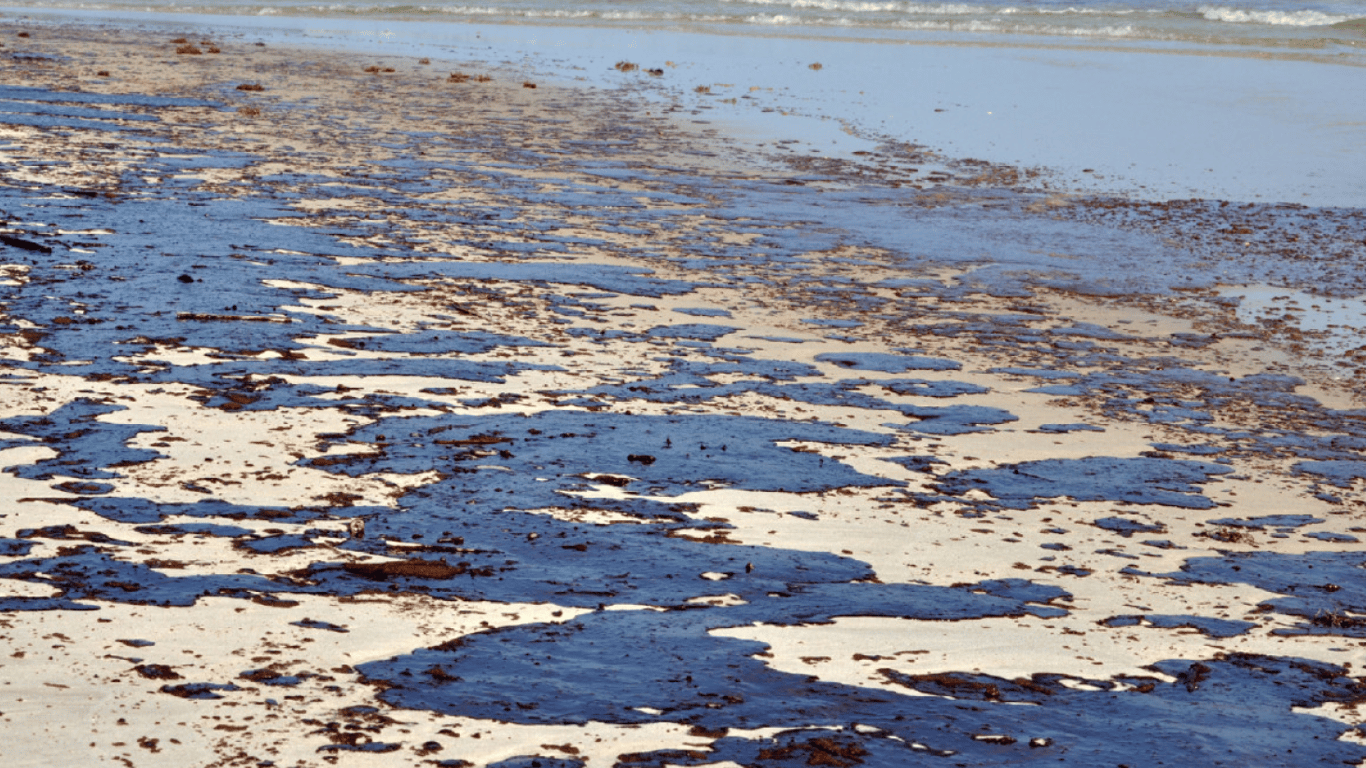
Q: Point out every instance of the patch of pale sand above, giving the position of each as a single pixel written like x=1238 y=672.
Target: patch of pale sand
x=15 y=588
x=14 y=274
x=70 y=678
x=1007 y=443
x=900 y=541
x=1019 y=441
x=485 y=742
x=34 y=504
x=904 y=541
x=726 y=598
x=852 y=650
x=363 y=204
x=180 y=555
x=107 y=701
x=12 y=487
x=246 y=457
x=589 y=516
x=1055 y=644
x=25 y=511
x=36 y=394
x=906 y=544
x=1347 y=714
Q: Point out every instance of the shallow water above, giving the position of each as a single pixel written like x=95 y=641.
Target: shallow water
x=1339 y=323
x=1152 y=118
x=1272 y=23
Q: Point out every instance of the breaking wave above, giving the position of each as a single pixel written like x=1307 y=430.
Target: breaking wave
x=1303 y=18
x=1257 y=22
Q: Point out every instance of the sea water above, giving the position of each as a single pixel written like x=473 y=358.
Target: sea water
x=1253 y=101
x=1325 y=26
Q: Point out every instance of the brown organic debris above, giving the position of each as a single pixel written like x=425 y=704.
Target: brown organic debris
x=415 y=569
x=157 y=672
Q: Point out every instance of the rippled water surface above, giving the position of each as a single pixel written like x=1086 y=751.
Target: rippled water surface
x=1329 y=25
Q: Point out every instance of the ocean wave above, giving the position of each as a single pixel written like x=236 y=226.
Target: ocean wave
x=938 y=9
x=528 y=13
x=1127 y=19
x=450 y=10
x=1007 y=28
x=877 y=6
x=1305 y=18
x=847 y=14
x=986 y=26
x=778 y=20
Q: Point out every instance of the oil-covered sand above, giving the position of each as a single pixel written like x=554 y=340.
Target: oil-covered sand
x=368 y=415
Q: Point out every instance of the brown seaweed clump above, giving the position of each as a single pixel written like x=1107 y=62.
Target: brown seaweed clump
x=417 y=569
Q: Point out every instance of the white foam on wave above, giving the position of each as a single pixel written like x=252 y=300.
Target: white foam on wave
x=876 y=6
x=1005 y=28
x=466 y=10
x=527 y=13
x=778 y=20
x=1075 y=11
x=936 y=9
x=954 y=22
x=641 y=16
x=481 y=11
x=1305 y=18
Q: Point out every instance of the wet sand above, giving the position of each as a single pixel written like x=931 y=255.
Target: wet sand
x=358 y=413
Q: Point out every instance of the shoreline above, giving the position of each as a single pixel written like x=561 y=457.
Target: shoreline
x=1246 y=128
x=406 y=420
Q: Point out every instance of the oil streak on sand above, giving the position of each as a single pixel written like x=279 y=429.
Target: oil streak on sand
x=370 y=411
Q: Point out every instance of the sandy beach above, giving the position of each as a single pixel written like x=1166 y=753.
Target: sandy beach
x=372 y=410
